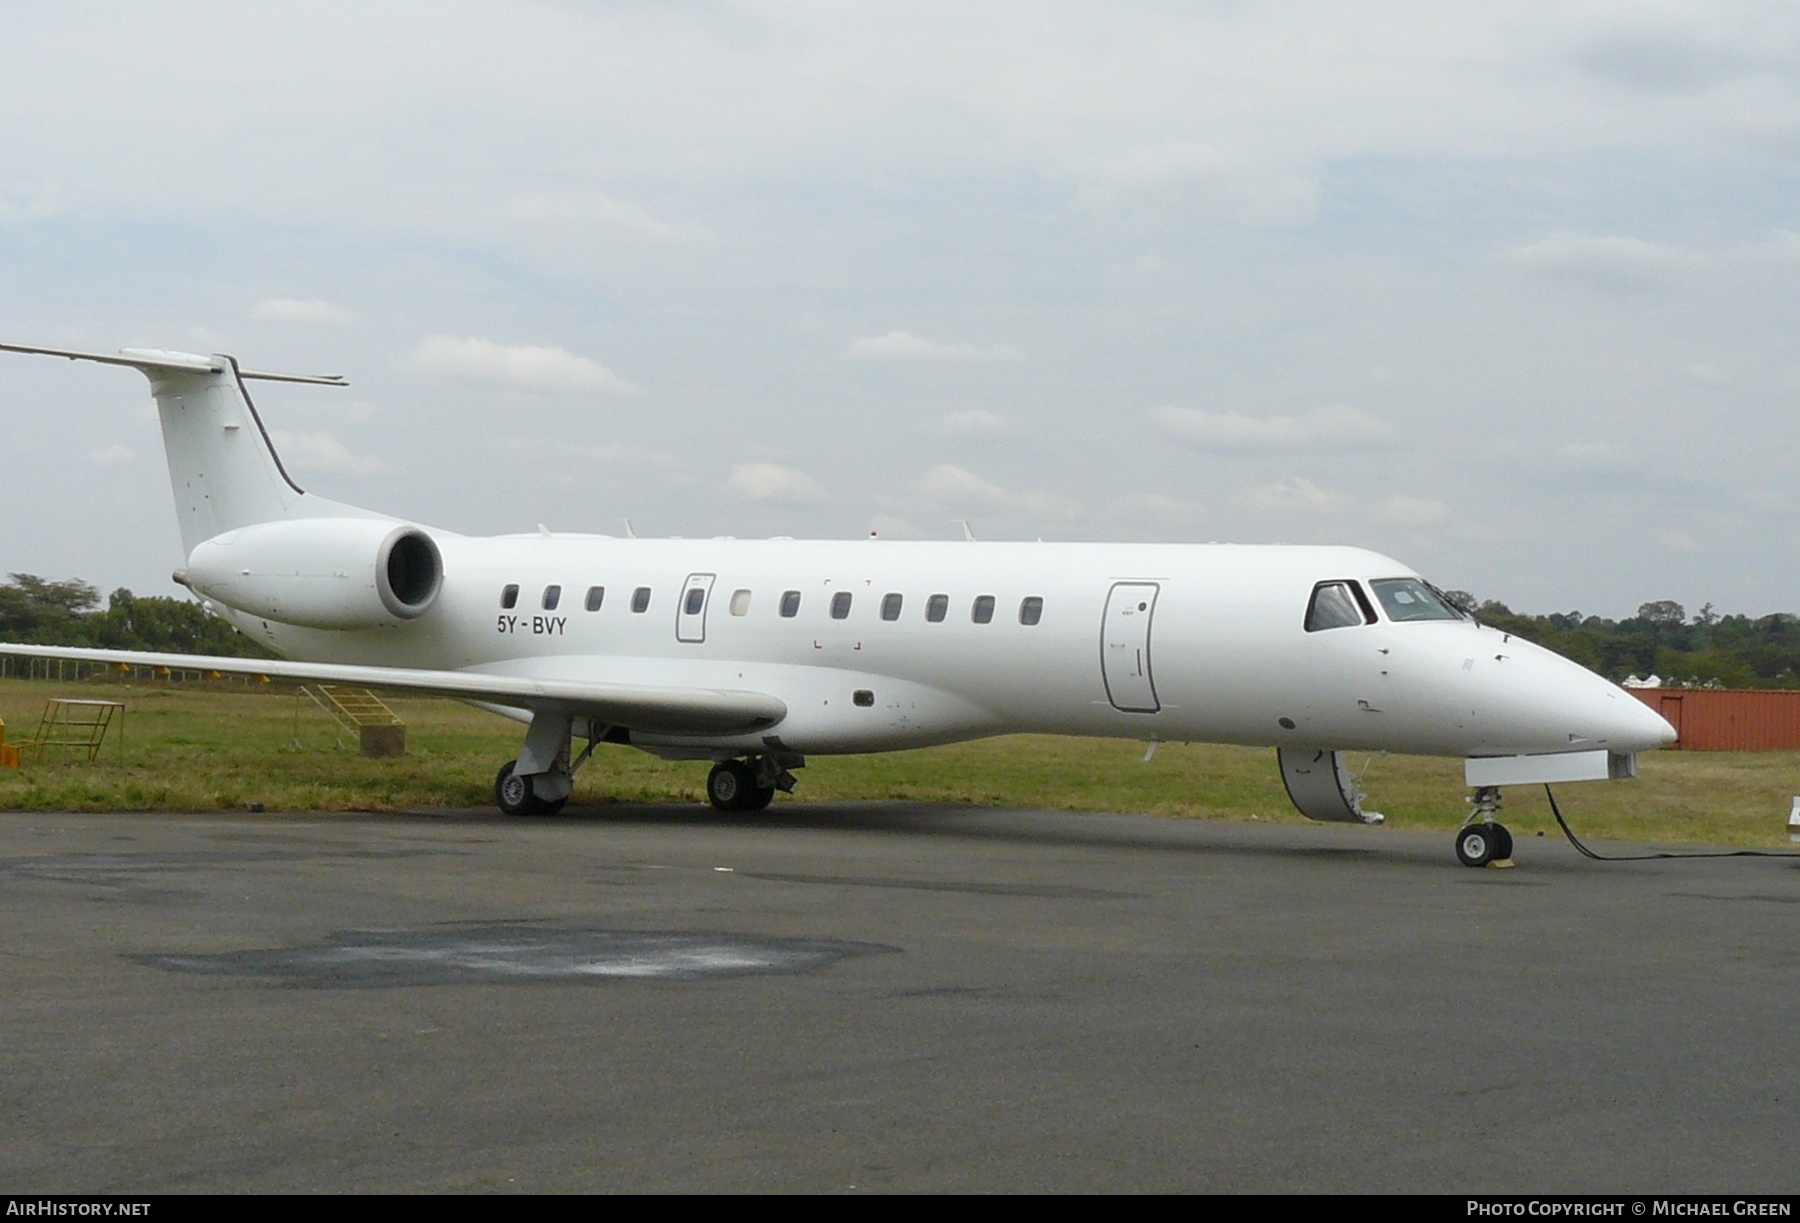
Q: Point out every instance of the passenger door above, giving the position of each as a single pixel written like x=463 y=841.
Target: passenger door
x=690 y=612
x=1125 y=647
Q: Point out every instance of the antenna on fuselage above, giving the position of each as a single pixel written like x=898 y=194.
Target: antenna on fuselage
x=629 y=533
x=968 y=531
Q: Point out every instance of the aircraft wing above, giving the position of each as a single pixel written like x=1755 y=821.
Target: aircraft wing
x=677 y=710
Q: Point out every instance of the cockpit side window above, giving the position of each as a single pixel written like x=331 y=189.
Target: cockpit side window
x=1333 y=606
x=1411 y=599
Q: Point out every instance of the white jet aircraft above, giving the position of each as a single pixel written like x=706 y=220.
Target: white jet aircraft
x=754 y=654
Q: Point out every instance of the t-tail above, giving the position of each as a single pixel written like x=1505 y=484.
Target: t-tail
x=255 y=541
x=223 y=466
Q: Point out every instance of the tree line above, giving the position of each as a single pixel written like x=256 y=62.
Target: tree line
x=1702 y=650
x=1662 y=639
x=34 y=611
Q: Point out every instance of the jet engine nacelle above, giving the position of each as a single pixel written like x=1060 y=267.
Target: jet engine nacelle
x=1322 y=787
x=332 y=573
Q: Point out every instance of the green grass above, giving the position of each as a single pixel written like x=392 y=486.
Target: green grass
x=231 y=748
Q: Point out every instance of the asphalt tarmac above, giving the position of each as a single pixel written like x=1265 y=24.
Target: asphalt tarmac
x=880 y=997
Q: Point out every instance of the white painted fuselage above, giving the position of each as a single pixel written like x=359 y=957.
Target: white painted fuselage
x=1218 y=651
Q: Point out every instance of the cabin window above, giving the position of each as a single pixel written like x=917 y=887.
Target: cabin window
x=790 y=604
x=1031 y=610
x=1411 y=599
x=696 y=599
x=509 y=598
x=640 y=599
x=890 y=606
x=936 y=608
x=840 y=605
x=740 y=602
x=863 y=697
x=552 y=596
x=1332 y=606
x=983 y=611
x=596 y=595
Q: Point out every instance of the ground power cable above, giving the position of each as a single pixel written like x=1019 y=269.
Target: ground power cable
x=1721 y=853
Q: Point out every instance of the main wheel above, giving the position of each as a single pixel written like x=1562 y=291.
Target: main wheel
x=729 y=784
x=512 y=792
x=1502 y=844
x=758 y=798
x=1475 y=845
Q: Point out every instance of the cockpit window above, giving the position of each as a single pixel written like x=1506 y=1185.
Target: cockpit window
x=1411 y=599
x=1332 y=606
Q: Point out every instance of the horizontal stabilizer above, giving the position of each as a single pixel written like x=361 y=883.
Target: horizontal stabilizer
x=667 y=710
x=149 y=359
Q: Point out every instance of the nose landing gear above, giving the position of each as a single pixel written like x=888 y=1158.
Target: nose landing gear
x=1482 y=841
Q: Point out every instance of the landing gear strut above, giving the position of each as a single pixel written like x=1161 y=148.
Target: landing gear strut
x=539 y=781
x=1482 y=839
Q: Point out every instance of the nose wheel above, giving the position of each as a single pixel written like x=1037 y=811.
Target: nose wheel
x=1483 y=840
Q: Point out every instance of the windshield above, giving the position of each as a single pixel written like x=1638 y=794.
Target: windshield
x=1411 y=599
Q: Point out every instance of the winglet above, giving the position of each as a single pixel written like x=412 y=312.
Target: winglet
x=148 y=359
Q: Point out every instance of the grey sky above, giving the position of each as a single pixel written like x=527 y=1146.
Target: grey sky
x=1504 y=290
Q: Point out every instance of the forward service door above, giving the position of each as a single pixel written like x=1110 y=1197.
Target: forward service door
x=1125 y=647
x=690 y=613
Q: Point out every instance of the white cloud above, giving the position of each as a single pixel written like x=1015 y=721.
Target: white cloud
x=769 y=482
x=973 y=423
x=1156 y=507
x=1594 y=457
x=1195 y=177
x=1340 y=427
x=113 y=456
x=887 y=526
x=1779 y=249
x=1611 y=263
x=27 y=202
x=322 y=452
x=905 y=346
x=1663 y=58
x=955 y=484
x=582 y=208
x=1298 y=495
x=293 y=310
x=1413 y=511
x=958 y=487
x=523 y=367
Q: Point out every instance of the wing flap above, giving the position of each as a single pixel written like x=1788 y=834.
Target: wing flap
x=672 y=710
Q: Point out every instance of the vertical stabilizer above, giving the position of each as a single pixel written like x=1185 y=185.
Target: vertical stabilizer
x=222 y=463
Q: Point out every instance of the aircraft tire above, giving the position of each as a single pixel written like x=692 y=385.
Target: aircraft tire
x=512 y=793
x=1475 y=845
x=758 y=798
x=729 y=785
x=1502 y=843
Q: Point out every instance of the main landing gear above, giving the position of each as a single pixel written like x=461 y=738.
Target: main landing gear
x=1482 y=840
x=540 y=780
x=750 y=785
x=516 y=794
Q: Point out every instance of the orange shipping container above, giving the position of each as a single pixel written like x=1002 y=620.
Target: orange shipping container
x=1728 y=719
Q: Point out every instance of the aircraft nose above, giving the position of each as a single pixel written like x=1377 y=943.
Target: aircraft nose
x=1586 y=710
x=1629 y=725
x=1655 y=724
